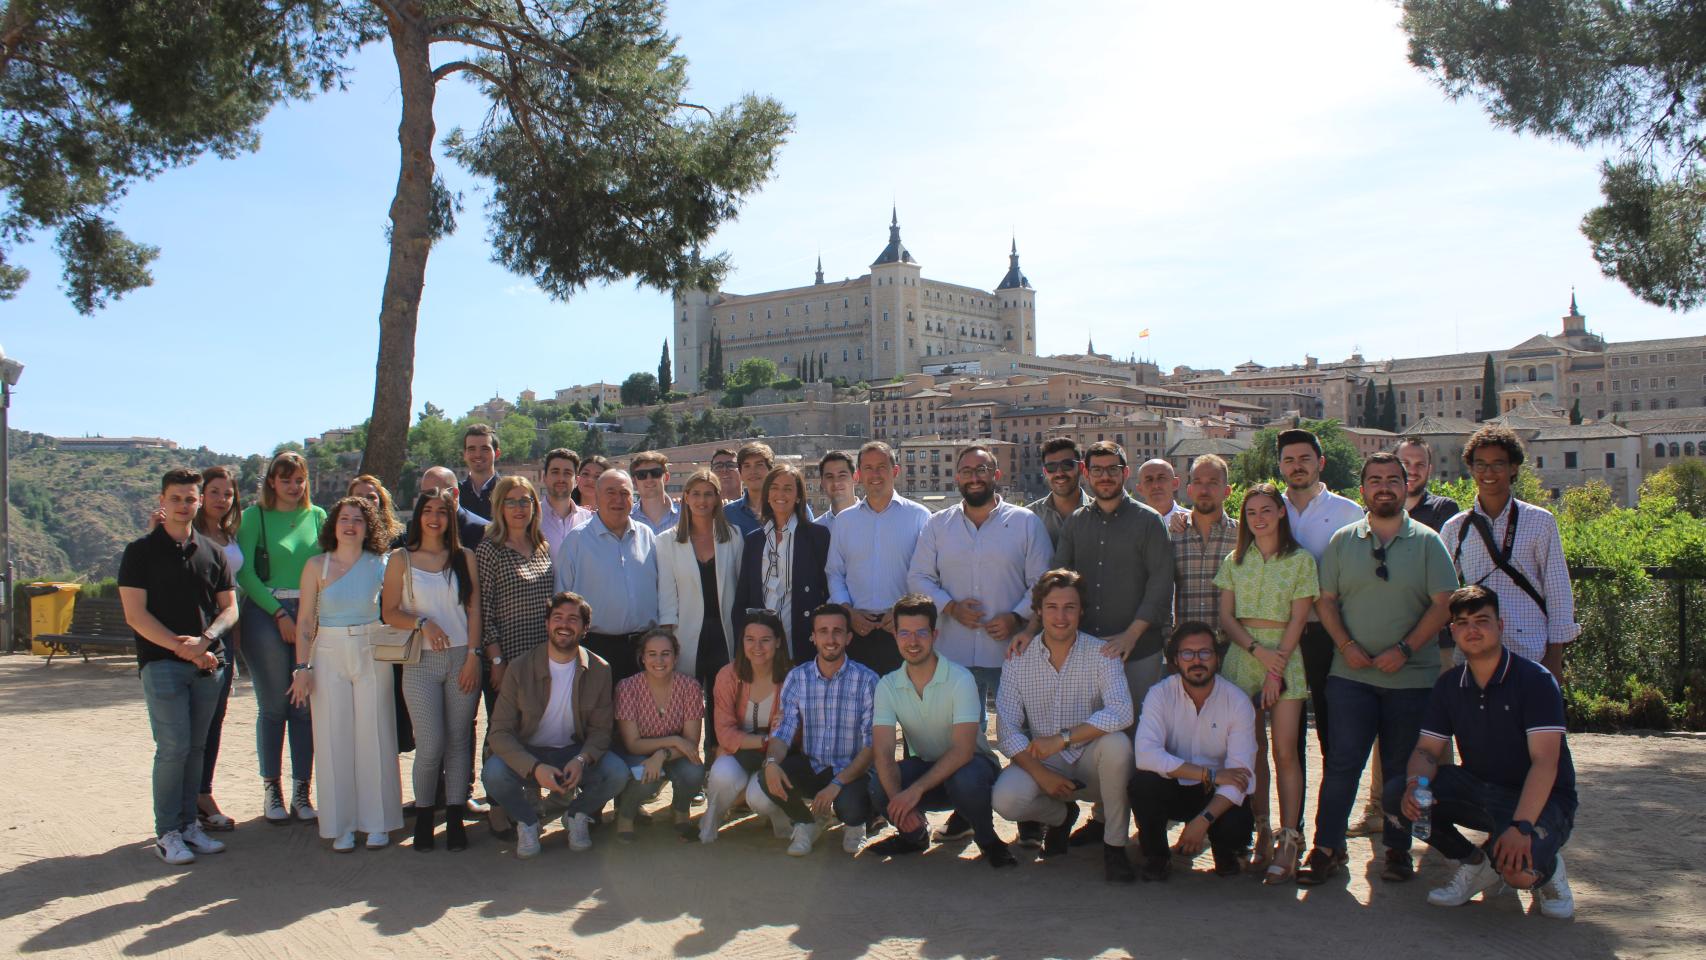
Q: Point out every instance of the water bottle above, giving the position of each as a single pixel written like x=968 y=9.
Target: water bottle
x=1423 y=826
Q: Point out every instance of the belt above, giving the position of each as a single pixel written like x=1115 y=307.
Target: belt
x=359 y=630
x=287 y=594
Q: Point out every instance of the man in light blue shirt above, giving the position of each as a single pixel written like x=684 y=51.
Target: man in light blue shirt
x=653 y=506
x=746 y=512
x=949 y=764
x=612 y=562
x=869 y=554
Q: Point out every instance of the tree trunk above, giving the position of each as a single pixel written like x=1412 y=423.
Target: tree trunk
x=405 y=276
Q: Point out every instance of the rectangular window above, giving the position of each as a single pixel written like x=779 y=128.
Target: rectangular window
x=1539 y=463
x=1569 y=460
x=1670 y=383
x=1616 y=386
x=1610 y=460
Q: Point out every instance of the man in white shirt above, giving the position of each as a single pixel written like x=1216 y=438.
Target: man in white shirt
x=1158 y=488
x=869 y=555
x=1196 y=748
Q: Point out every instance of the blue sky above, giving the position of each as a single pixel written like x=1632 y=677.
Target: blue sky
x=1247 y=181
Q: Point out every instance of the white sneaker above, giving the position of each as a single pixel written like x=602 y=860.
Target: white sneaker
x=171 y=849
x=526 y=841
x=198 y=840
x=378 y=841
x=1554 y=896
x=579 y=838
x=709 y=823
x=780 y=826
x=1470 y=879
x=299 y=802
x=852 y=839
x=345 y=843
x=804 y=834
x=272 y=803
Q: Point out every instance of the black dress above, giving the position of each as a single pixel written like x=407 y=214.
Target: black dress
x=713 y=643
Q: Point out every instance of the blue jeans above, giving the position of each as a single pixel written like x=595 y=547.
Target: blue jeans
x=270 y=661
x=216 y=727
x=1361 y=712
x=516 y=794
x=966 y=792
x=683 y=776
x=988 y=681
x=180 y=702
x=1462 y=799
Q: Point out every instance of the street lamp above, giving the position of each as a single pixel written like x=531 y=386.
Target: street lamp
x=10 y=370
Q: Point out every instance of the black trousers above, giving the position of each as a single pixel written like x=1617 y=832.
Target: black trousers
x=1157 y=801
x=852 y=804
x=876 y=650
x=1316 y=647
x=620 y=649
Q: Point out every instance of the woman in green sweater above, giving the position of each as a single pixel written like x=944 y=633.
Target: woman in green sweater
x=277 y=537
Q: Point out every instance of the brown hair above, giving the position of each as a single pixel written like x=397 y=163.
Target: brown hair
x=878 y=446
x=498 y=528
x=181 y=477
x=452 y=540
x=915 y=605
x=1390 y=459
x=387 y=508
x=569 y=596
x=1494 y=435
x=780 y=665
x=1057 y=444
x=1214 y=460
x=1104 y=448
x=1473 y=598
x=647 y=456
x=1055 y=580
x=233 y=517
x=834 y=455
x=1287 y=543
x=285 y=463
x=755 y=449
x=1190 y=628
x=481 y=430
x=975 y=448
x=720 y=529
x=785 y=470
x=560 y=453
x=377 y=541
x=648 y=637
x=831 y=609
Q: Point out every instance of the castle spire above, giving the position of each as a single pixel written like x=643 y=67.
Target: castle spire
x=895 y=252
x=1015 y=278
x=820 y=269
x=1573 y=311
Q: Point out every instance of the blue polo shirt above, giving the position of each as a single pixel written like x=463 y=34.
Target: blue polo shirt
x=1492 y=724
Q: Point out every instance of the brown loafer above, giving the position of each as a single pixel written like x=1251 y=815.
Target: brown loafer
x=1321 y=867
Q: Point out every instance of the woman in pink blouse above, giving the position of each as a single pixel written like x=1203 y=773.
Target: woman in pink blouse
x=659 y=715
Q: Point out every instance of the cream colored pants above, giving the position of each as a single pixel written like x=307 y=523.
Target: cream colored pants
x=355 y=744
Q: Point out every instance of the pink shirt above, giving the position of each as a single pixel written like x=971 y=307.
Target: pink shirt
x=634 y=702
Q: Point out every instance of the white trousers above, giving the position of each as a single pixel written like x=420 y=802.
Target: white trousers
x=1105 y=767
x=355 y=745
x=726 y=784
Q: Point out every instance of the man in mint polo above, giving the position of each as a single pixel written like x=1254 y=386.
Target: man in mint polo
x=949 y=764
x=1386 y=584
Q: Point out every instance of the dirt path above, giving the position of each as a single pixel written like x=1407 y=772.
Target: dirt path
x=81 y=881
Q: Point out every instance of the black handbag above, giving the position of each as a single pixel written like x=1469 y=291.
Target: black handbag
x=263 y=560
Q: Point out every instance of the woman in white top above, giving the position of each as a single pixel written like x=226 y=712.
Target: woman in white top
x=747 y=703
x=431 y=584
x=698 y=566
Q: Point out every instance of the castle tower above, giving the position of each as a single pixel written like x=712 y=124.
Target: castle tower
x=1017 y=310
x=693 y=326
x=895 y=296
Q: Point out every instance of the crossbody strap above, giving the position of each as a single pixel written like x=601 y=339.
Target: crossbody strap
x=1501 y=557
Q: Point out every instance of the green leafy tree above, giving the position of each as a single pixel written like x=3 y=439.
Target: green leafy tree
x=1489 y=390
x=594 y=444
x=433 y=440
x=1370 y=406
x=1684 y=482
x=639 y=390
x=754 y=374
x=1623 y=75
x=564 y=434
x=517 y=436
x=1260 y=463
x=98 y=96
x=660 y=432
x=665 y=380
x=1389 y=410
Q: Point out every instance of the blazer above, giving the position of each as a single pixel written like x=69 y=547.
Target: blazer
x=525 y=693
x=729 y=697
x=810 y=583
x=681 y=599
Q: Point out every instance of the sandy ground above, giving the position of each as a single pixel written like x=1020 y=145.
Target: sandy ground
x=80 y=879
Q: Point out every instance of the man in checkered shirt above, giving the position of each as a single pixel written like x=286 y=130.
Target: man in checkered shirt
x=1539 y=610
x=1059 y=701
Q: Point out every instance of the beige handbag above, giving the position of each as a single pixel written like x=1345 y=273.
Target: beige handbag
x=390 y=644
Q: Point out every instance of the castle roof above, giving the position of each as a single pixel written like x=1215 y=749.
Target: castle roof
x=895 y=252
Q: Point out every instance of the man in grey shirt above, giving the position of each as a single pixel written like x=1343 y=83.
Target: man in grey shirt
x=1065 y=496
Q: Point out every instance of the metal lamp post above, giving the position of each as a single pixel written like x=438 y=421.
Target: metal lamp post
x=10 y=370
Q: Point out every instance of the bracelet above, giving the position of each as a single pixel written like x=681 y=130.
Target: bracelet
x=1208 y=779
x=1406 y=650
x=299 y=668
x=280 y=614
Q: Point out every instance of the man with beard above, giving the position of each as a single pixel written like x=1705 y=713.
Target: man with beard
x=827 y=705
x=1201 y=538
x=1158 y=488
x=551 y=731
x=949 y=765
x=1196 y=748
x=1065 y=493
x=561 y=513
x=1386 y=584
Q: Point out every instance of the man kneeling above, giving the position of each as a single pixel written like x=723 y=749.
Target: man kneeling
x=1515 y=782
x=551 y=729
x=1058 y=702
x=1196 y=744
x=949 y=764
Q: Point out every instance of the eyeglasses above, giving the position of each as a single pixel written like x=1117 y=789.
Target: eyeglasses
x=518 y=503
x=648 y=473
x=980 y=472
x=1482 y=466
x=1380 y=558
x=1060 y=466
x=1186 y=656
x=722 y=465
x=1108 y=471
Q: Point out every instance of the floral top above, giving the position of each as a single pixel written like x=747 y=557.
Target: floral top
x=634 y=702
x=1265 y=588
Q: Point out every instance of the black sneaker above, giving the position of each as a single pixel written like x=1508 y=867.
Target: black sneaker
x=1321 y=866
x=1398 y=867
x=1056 y=840
x=998 y=856
x=1115 y=867
x=1030 y=834
x=1090 y=832
x=898 y=844
x=1228 y=864
x=1155 y=869
x=955 y=829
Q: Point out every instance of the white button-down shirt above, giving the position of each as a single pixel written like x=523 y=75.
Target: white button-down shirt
x=1315 y=525
x=1171 y=731
x=995 y=564
x=870 y=552
x=776 y=568
x=1036 y=700
x=1538 y=554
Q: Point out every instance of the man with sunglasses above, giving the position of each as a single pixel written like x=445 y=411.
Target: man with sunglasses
x=1065 y=494
x=1386 y=584
x=653 y=506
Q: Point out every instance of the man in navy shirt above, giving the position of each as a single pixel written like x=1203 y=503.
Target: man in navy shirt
x=1515 y=782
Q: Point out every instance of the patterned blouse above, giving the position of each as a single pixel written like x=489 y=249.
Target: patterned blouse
x=1265 y=588
x=634 y=702
x=514 y=594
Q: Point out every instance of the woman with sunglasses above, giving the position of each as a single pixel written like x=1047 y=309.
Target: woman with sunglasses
x=784 y=562
x=1266 y=595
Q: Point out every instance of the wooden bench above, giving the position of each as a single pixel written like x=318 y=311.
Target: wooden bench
x=94 y=623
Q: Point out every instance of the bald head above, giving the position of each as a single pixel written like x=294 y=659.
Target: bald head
x=615 y=499
x=1157 y=482
x=434 y=479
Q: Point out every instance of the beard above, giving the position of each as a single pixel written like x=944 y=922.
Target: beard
x=1385 y=509
x=977 y=498
x=1198 y=676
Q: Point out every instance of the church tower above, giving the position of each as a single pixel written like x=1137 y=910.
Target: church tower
x=1016 y=308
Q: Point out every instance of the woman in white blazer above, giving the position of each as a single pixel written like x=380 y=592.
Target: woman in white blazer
x=698 y=566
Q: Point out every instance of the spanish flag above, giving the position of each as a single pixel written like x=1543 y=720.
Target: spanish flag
x=1143 y=333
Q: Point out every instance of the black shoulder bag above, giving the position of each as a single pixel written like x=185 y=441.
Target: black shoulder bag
x=1501 y=558
x=263 y=560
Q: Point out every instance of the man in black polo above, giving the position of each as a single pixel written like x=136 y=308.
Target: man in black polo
x=179 y=599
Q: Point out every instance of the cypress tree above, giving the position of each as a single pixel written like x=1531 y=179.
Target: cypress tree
x=1489 y=391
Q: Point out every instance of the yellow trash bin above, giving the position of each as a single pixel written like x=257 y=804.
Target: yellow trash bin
x=50 y=611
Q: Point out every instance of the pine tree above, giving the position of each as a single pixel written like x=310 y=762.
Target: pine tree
x=1371 y=406
x=665 y=382
x=1576 y=412
x=1389 y=410
x=1489 y=391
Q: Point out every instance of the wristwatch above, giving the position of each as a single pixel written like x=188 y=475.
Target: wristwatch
x=1523 y=827
x=1066 y=737
x=497 y=661
x=302 y=666
x=1208 y=816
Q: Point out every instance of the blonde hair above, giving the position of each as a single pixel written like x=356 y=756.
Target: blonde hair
x=498 y=529
x=284 y=464
x=387 y=507
x=719 y=525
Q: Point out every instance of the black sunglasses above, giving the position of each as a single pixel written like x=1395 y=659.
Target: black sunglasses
x=1380 y=558
x=648 y=473
x=1060 y=466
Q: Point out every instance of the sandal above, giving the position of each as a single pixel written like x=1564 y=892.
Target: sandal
x=1262 y=851
x=1283 y=868
x=213 y=821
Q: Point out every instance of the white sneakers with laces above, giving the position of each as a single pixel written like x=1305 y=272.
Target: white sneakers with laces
x=1554 y=896
x=1469 y=880
x=526 y=841
x=577 y=824
x=299 y=802
x=852 y=839
x=197 y=840
x=804 y=835
x=170 y=848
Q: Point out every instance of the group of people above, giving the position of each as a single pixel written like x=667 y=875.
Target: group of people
x=841 y=667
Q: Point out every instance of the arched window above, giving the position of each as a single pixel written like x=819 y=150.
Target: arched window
x=1658 y=451
x=1688 y=448
x=1532 y=374
x=1675 y=449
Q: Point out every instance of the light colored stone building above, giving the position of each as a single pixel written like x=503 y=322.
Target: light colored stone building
x=927 y=468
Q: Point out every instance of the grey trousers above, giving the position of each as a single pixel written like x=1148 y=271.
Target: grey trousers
x=1104 y=767
x=443 y=717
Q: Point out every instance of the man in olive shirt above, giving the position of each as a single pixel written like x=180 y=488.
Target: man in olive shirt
x=1386 y=584
x=1065 y=495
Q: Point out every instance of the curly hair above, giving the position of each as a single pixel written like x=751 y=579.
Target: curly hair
x=378 y=538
